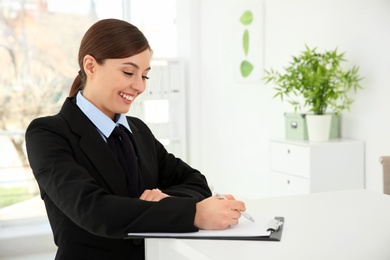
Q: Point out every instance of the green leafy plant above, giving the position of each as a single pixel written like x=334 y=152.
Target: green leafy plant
x=316 y=81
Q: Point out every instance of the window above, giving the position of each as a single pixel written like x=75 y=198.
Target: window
x=39 y=42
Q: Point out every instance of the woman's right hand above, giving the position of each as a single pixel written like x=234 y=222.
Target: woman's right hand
x=217 y=214
x=153 y=195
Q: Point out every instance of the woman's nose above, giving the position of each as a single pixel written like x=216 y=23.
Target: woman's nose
x=139 y=84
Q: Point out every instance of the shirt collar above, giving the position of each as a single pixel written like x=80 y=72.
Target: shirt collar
x=98 y=118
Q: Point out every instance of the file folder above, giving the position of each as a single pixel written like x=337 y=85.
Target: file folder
x=263 y=229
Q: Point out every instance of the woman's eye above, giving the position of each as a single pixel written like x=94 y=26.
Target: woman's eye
x=132 y=74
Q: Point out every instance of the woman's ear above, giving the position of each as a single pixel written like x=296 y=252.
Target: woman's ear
x=89 y=64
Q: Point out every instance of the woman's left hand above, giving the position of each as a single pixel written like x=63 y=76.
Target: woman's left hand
x=153 y=195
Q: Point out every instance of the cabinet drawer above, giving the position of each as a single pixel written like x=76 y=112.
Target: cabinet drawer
x=285 y=185
x=289 y=158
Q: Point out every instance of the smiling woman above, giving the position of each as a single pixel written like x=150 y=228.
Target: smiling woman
x=98 y=161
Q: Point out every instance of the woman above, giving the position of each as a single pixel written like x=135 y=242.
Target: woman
x=90 y=200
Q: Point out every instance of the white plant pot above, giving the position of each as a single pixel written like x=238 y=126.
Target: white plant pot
x=318 y=127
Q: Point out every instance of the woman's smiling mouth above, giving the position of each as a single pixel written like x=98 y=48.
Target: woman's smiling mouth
x=127 y=97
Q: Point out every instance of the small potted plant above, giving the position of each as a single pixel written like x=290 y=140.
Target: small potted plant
x=315 y=81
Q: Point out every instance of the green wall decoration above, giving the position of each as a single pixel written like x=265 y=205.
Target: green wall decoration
x=245 y=42
x=247 y=57
x=246 y=67
x=246 y=18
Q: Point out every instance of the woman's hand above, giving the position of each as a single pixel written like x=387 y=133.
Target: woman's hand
x=214 y=213
x=153 y=195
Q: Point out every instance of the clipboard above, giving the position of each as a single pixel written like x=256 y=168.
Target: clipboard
x=270 y=232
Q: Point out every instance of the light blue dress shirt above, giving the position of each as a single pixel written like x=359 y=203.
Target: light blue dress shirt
x=103 y=123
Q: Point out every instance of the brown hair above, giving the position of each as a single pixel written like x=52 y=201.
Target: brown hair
x=108 y=39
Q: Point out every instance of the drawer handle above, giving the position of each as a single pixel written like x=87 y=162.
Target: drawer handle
x=288 y=151
x=288 y=182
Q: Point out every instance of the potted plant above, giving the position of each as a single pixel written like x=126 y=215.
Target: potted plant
x=316 y=82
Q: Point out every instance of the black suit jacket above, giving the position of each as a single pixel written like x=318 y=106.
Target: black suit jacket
x=85 y=191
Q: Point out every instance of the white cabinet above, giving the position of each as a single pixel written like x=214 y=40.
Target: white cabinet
x=299 y=167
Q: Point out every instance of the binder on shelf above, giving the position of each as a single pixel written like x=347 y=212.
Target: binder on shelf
x=263 y=229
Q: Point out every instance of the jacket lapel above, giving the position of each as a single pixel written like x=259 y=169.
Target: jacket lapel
x=95 y=148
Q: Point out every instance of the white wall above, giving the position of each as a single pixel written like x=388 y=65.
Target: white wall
x=235 y=120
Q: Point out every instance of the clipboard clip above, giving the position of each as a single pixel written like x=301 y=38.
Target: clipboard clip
x=274 y=225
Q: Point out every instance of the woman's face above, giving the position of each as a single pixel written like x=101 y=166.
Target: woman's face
x=113 y=86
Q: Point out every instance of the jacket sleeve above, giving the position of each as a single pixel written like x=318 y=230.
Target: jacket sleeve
x=69 y=182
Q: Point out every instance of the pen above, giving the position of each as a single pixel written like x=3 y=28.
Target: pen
x=246 y=215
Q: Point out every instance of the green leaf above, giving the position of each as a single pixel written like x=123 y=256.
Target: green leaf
x=245 y=42
x=246 y=68
x=246 y=18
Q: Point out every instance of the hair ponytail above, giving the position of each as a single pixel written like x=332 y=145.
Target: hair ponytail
x=76 y=86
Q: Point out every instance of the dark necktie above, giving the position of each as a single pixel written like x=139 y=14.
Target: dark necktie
x=120 y=143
